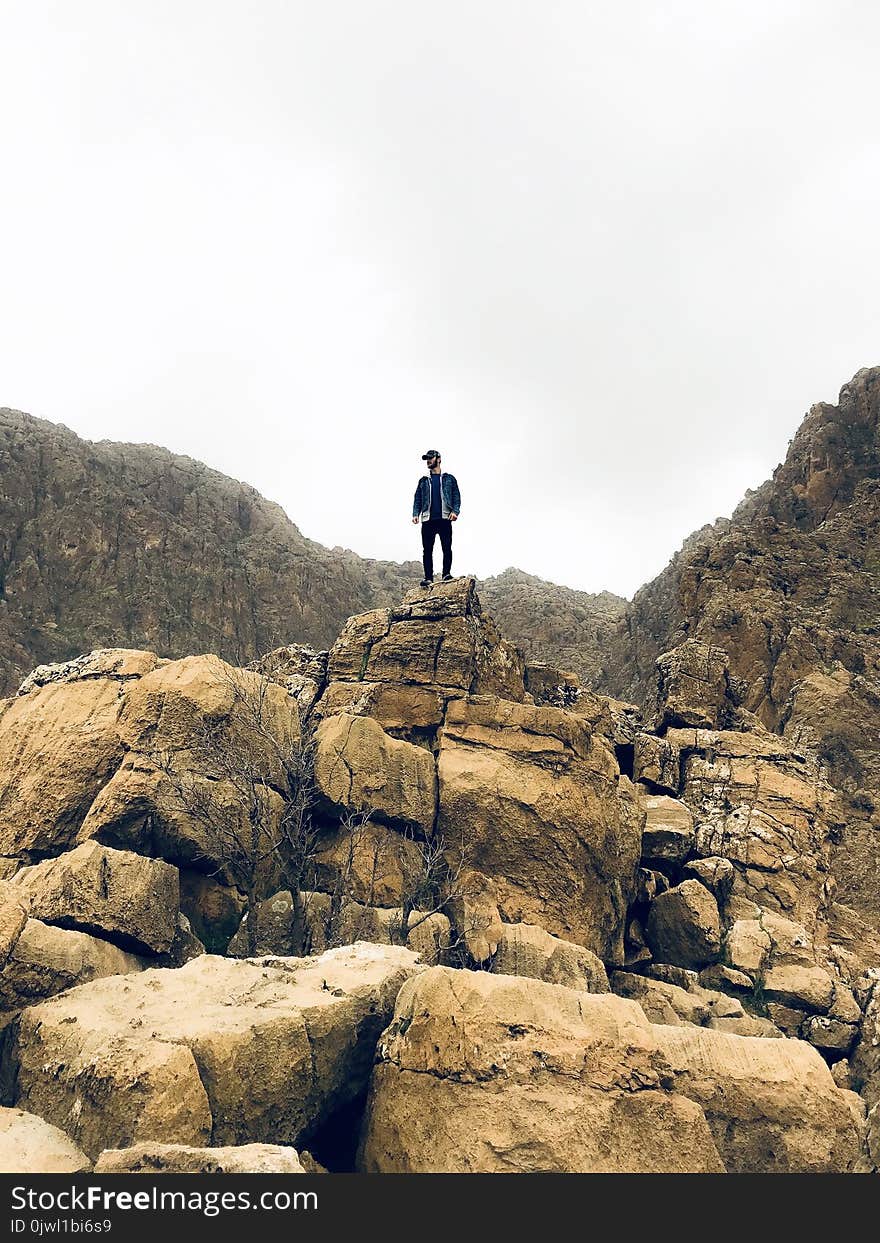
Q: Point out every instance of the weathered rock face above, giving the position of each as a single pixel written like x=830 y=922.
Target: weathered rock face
x=220 y=1050
x=176 y=723
x=669 y=829
x=13 y=917
x=535 y=795
x=299 y=669
x=370 y=863
x=684 y=926
x=359 y=766
x=59 y=744
x=788 y=589
x=693 y=687
x=435 y=639
x=834 y=715
x=766 y=809
x=526 y=950
x=28 y=1145
x=125 y=897
x=183 y=1159
x=47 y=960
x=489 y=1073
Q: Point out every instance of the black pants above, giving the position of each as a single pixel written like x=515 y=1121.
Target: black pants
x=430 y=528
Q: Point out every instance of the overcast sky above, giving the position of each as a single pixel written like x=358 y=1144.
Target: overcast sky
x=602 y=256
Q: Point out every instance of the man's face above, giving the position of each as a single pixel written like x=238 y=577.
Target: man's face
x=432 y=462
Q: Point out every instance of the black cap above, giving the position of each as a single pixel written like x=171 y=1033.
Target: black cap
x=430 y=453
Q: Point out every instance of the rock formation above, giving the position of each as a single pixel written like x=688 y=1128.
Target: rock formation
x=572 y=935
x=402 y=893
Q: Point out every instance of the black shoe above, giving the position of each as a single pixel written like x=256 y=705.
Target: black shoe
x=447 y=578
x=427 y=582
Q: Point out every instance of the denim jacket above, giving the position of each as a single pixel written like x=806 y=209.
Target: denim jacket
x=449 y=495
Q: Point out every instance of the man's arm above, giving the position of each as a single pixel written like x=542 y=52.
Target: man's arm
x=456 y=496
x=417 y=504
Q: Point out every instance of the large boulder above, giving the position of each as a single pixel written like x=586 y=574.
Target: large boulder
x=358 y=766
x=199 y=736
x=483 y=1073
x=668 y=836
x=183 y=1159
x=527 y=950
x=772 y=1105
x=47 y=960
x=219 y=1051
x=59 y=744
x=684 y=926
x=30 y=1145
x=693 y=686
x=127 y=898
x=529 y=796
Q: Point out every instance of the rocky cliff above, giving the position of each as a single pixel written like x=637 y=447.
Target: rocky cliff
x=789 y=589
x=494 y=921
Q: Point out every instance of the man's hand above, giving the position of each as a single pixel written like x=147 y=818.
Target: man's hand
x=415 y=519
x=453 y=517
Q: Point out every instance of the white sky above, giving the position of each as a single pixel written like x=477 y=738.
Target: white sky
x=603 y=256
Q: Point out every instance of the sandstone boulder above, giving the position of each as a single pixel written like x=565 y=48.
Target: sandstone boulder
x=438 y=639
x=668 y=836
x=299 y=669
x=800 y=987
x=527 y=950
x=197 y=732
x=127 y=898
x=59 y=744
x=683 y=926
x=182 y=1159
x=220 y=1050
x=656 y=763
x=490 y=1073
x=29 y=1145
x=772 y=1105
x=693 y=686
x=715 y=873
x=214 y=910
x=358 y=766
x=531 y=797
x=748 y=946
x=47 y=960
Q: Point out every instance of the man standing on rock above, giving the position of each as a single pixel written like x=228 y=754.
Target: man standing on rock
x=438 y=503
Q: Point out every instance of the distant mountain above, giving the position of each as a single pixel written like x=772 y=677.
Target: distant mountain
x=106 y=544
x=572 y=629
